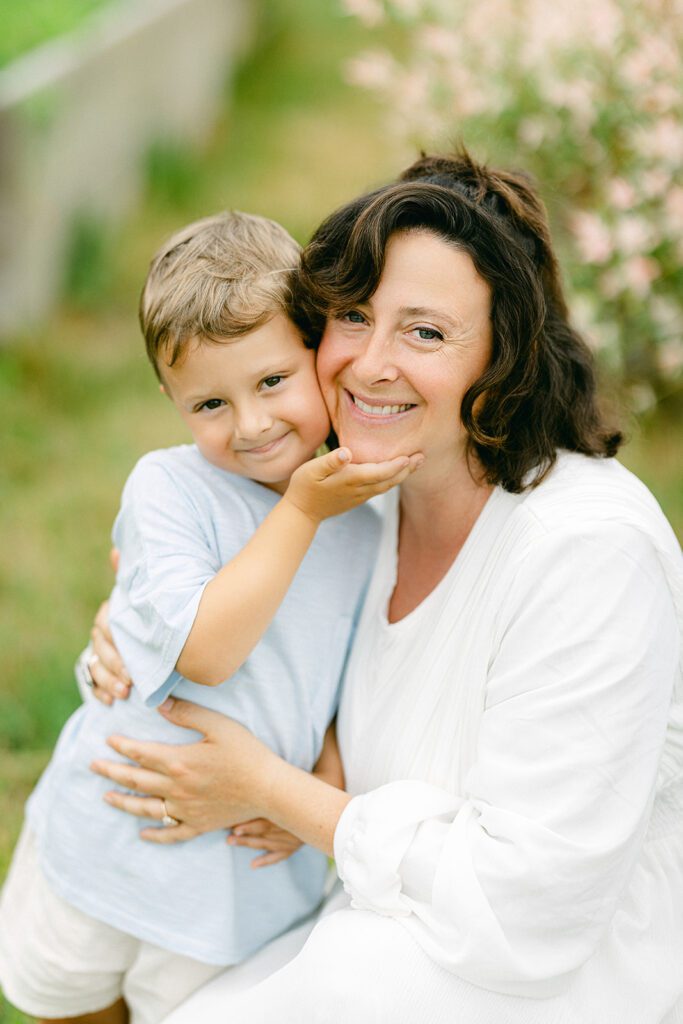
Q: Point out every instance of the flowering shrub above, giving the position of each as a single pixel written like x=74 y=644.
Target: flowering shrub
x=587 y=96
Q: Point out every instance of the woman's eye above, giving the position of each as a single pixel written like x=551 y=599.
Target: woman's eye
x=271 y=382
x=212 y=403
x=354 y=317
x=428 y=334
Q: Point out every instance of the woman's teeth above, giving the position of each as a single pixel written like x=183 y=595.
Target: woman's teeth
x=379 y=410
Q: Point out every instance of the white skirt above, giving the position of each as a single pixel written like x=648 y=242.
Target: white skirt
x=356 y=967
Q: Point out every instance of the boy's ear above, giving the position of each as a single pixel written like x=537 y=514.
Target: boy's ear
x=162 y=389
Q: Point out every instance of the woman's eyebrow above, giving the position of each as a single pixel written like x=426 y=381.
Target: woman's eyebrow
x=420 y=311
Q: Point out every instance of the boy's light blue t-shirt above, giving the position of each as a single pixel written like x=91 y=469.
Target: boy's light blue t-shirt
x=181 y=519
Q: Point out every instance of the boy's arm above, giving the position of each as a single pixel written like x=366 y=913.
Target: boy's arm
x=239 y=603
x=329 y=766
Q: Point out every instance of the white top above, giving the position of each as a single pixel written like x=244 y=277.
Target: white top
x=520 y=752
x=181 y=519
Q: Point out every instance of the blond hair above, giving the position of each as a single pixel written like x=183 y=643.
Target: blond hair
x=219 y=277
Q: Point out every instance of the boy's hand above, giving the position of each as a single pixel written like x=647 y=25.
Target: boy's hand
x=109 y=676
x=260 y=834
x=332 y=484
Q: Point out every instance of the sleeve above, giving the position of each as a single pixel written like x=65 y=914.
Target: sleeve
x=166 y=561
x=512 y=884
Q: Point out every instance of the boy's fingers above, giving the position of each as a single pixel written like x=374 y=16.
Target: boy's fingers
x=102 y=621
x=372 y=474
x=257 y=827
x=106 y=682
x=255 y=842
x=331 y=463
x=269 y=858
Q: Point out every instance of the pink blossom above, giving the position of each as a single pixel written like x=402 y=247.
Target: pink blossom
x=632 y=235
x=621 y=194
x=440 y=41
x=409 y=8
x=655 y=182
x=660 y=141
x=640 y=272
x=603 y=23
x=532 y=131
x=369 y=12
x=374 y=69
x=673 y=204
x=670 y=358
x=592 y=237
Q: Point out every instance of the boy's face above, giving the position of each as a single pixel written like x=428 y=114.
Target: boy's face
x=253 y=404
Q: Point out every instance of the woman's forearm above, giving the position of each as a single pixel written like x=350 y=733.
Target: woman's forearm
x=303 y=804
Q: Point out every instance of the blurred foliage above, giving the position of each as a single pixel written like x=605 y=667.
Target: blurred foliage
x=172 y=172
x=29 y=23
x=586 y=96
x=87 y=262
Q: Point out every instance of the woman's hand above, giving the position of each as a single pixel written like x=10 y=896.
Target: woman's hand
x=216 y=783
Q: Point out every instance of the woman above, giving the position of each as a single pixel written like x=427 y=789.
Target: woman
x=511 y=725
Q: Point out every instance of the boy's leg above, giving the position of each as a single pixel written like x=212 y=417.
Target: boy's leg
x=116 y=1014
x=159 y=980
x=55 y=962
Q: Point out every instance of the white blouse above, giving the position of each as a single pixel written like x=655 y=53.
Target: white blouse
x=516 y=744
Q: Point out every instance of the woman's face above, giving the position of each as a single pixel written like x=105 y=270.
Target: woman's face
x=393 y=371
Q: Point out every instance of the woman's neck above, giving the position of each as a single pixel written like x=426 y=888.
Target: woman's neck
x=436 y=517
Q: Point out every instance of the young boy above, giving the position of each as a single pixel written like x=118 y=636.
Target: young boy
x=229 y=593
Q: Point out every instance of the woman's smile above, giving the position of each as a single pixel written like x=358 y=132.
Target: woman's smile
x=379 y=410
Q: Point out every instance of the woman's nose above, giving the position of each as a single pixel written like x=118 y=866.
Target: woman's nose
x=375 y=361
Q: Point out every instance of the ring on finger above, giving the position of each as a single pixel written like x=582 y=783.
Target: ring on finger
x=83 y=670
x=167 y=818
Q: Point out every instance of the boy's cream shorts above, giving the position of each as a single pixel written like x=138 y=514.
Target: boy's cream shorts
x=57 y=962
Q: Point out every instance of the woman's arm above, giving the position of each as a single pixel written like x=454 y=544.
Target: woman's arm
x=276 y=843
x=227 y=778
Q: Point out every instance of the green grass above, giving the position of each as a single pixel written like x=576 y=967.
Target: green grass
x=80 y=404
x=28 y=23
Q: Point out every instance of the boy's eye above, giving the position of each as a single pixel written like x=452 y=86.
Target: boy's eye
x=212 y=403
x=271 y=382
x=353 y=317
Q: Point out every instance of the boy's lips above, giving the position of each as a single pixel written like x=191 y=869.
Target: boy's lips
x=377 y=409
x=264 y=449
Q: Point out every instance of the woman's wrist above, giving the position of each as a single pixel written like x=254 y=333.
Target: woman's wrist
x=302 y=803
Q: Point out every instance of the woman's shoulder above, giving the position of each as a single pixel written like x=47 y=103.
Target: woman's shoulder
x=584 y=494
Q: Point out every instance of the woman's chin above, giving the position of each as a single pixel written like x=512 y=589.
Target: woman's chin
x=370 y=449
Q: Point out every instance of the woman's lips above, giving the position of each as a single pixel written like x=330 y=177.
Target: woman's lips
x=377 y=410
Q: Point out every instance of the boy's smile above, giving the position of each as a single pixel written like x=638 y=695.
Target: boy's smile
x=252 y=403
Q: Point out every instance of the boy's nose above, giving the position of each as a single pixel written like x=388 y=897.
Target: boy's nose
x=251 y=422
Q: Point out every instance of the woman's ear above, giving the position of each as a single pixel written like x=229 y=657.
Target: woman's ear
x=162 y=389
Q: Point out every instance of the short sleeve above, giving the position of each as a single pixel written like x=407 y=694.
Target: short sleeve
x=511 y=883
x=167 y=556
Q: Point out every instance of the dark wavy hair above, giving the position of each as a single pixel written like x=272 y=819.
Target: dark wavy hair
x=539 y=392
